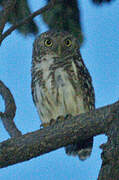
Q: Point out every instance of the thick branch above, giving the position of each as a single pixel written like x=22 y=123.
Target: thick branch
x=10 y=110
x=58 y=135
x=31 y=16
x=110 y=154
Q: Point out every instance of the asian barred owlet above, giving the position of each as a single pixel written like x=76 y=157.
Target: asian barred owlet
x=61 y=83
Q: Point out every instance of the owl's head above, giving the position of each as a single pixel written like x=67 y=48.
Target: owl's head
x=56 y=43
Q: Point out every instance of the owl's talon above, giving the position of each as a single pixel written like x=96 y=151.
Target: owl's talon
x=60 y=118
x=52 y=122
x=44 y=125
x=68 y=116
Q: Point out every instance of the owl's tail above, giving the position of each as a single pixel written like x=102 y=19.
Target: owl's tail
x=81 y=149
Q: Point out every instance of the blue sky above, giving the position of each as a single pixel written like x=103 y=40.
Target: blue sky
x=101 y=55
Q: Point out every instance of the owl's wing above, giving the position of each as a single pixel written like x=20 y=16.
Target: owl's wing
x=83 y=148
x=86 y=83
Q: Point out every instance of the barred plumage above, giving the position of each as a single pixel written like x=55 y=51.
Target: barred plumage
x=61 y=83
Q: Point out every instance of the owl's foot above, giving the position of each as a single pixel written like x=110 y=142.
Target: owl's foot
x=63 y=118
x=60 y=118
x=68 y=116
x=52 y=121
x=44 y=125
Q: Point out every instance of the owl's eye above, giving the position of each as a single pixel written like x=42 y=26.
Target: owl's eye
x=68 y=42
x=48 y=42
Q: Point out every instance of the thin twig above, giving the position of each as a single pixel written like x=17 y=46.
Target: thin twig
x=10 y=110
x=25 y=20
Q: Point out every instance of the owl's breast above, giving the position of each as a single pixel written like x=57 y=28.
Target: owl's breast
x=58 y=96
x=61 y=78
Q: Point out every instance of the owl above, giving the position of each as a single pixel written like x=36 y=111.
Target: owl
x=61 y=83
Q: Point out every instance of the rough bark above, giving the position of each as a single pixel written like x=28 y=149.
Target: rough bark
x=53 y=137
x=110 y=154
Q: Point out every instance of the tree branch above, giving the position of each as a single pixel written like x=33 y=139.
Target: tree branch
x=60 y=134
x=110 y=154
x=104 y=120
x=10 y=110
x=24 y=21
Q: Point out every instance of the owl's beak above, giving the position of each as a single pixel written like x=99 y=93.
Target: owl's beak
x=59 y=50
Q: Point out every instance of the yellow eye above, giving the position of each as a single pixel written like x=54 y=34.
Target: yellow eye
x=48 y=42
x=68 y=42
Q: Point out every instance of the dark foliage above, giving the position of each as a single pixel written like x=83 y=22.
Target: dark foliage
x=19 y=12
x=101 y=1
x=65 y=16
